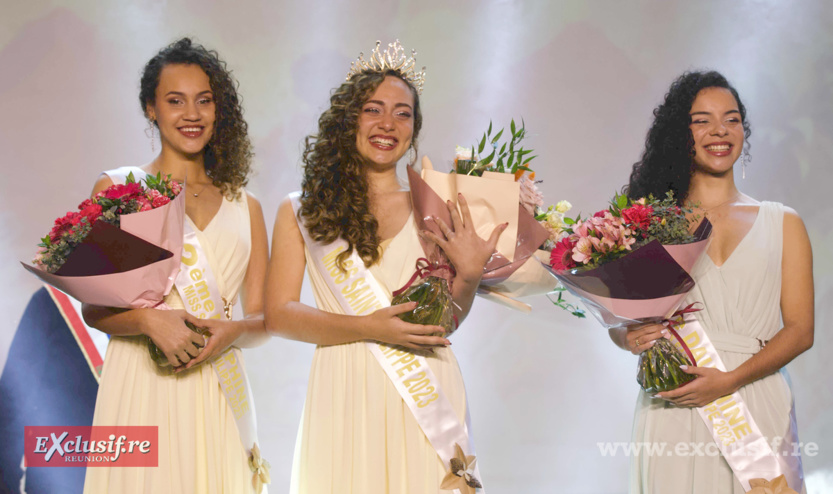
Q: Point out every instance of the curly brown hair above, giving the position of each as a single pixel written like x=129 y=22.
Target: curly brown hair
x=334 y=198
x=228 y=155
x=667 y=161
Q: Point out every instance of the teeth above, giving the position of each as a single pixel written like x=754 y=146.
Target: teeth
x=384 y=142
x=721 y=147
x=190 y=129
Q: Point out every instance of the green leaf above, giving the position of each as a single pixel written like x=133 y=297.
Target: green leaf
x=512 y=127
x=497 y=137
x=488 y=159
x=130 y=178
x=499 y=166
x=524 y=168
x=502 y=149
x=530 y=159
x=490 y=128
x=569 y=221
x=481 y=146
x=622 y=201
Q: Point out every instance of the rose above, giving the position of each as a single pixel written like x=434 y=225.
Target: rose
x=157 y=199
x=176 y=187
x=561 y=255
x=144 y=203
x=160 y=201
x=638 y=217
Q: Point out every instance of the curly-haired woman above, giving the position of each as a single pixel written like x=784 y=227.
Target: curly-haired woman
x=757 y=272
x=189 y=95
x=358 y=434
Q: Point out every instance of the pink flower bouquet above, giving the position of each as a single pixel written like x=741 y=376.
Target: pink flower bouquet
x=121 y=248
x=630 y=264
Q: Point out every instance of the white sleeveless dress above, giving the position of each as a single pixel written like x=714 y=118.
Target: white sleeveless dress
x=741 y=302
x=199 y=447
x=357 y=435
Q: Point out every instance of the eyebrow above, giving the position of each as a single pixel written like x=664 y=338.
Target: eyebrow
x=178 y=93
x=709 y=113
x=397 y=105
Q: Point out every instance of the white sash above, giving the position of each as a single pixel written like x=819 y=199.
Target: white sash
x=728 y=418
x=201 y=295
x=359 y=293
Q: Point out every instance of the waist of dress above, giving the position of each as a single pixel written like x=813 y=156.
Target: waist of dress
x=736 y=343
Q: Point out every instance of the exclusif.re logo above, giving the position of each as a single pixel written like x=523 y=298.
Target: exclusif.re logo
x=87 y=446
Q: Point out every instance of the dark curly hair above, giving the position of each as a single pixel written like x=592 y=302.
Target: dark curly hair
x=228 y=155
x=334 y=199
x=667 y=162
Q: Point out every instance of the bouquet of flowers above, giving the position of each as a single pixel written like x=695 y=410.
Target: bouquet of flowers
x=495 y=188
x=121 y=248
x=433 y=297
x=630 y=263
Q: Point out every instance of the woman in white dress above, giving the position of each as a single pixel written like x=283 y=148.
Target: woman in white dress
x=756 y=272
x=357 y=433
x=190 y=97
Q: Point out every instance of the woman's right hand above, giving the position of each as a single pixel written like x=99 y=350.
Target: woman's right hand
x=168 y=331
x=640 y=337
x=384 y=325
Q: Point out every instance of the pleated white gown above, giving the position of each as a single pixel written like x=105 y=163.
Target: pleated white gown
x=742 y=306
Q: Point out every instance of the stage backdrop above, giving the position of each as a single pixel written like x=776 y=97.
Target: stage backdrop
x=545 y=389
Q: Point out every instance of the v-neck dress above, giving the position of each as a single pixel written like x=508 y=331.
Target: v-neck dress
x=357 y=435
x=199 y=447
x=741 y=309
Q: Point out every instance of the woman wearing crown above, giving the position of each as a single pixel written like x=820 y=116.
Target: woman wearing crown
x=379 y=388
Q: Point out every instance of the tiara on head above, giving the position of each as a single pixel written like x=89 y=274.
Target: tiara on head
x=391 y=59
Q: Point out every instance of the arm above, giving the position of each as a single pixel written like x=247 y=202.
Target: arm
x=249 y=332
x=796 y=337
x=287 y=316
x=466 y=251
x=166 y=328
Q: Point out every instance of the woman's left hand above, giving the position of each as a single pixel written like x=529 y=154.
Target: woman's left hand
x=709 y=385
x=465 y=249
x=222 y=334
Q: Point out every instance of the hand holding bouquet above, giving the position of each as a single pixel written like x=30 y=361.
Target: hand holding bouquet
x=630 y=263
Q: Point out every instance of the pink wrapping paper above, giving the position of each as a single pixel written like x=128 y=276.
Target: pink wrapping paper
x=156 y=234
x=647 y=284
x=530 y=234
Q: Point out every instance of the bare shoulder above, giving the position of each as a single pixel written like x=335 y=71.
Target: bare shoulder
x=254 y=203
x=793 y=224
x=286 y=219
x=102 y=182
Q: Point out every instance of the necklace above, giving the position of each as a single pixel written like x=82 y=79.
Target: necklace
x=706 y=210
x=197 y=194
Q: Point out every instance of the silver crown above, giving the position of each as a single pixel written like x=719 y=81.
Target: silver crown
x=391 y=59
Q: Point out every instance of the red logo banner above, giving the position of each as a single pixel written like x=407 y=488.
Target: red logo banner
x=88 y=446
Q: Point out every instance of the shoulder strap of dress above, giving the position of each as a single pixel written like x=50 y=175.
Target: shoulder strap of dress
x=119 y=175
x=774 y=220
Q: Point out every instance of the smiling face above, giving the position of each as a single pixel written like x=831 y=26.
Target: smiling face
x=717 y=129
x=386 y=123
x=184 y=109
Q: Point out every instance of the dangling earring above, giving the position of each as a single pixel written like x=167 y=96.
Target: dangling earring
x=411 y=155
x=150 y=132
x=743 y=165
